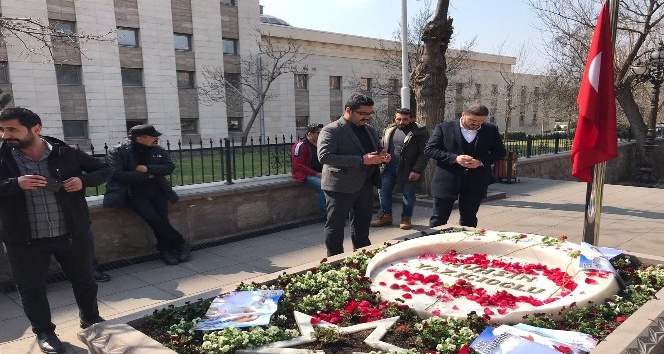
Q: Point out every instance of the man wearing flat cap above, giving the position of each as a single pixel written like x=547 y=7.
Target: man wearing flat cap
x=140 y=167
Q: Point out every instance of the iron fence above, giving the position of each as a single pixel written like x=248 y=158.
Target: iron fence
x=227 y=159
x=223 y=160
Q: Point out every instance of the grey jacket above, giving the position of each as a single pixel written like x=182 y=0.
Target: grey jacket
x=340 y=152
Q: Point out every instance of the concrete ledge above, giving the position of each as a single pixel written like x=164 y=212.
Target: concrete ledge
x=641 y=333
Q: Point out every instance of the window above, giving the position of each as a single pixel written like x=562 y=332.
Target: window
x=365 y=84
x=302 y=81
x=492 y=119
x=75 y=129
x=494 y=90
x=68 y=74
x=234 y=124
x=182 y=41
x=522 y=120
x=132 y=77
x=301 y=121
x=133 y=123
x=229 y=46
x=189 y=126
x=459 y=89
x=335 y=82
x=228 y=2
x=4 y=72
x=185 y=79
x=393 y=85
x=63 y=31
x=478 y=90
x=128 y=37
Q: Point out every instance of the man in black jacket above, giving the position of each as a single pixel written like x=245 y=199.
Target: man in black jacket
x=140 y=167
x=43 y=213
x=405 y=141
x=464 y=150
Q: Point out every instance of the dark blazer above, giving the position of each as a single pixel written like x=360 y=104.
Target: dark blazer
x=340 y=152
x=63 y=162
x=447 y=142
x=412 y=158
x=122 y=161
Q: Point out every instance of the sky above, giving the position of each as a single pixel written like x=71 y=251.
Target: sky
x=492 y=22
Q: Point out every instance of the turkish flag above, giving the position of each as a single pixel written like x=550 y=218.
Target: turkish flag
x=596 y=138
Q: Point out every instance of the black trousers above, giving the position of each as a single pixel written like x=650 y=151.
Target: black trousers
x=153 y=208
x=29 y=266
x=470 y=198
x=339 y=205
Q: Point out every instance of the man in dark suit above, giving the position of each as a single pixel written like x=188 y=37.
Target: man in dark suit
x=464 y=151
x=350 y=152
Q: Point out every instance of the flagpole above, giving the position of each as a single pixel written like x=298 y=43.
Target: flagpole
x=595 y=188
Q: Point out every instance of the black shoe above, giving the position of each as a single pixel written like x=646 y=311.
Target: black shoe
x=169 y=257
x=101 y=276
x=183 y=252
x=49 y=343
x=87 y=323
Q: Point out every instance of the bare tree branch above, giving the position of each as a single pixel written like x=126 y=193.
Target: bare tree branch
x=258 y=71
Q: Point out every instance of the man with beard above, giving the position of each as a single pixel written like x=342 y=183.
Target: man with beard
x=43 y=213
x=140 y=167
x=350 y=152
x=464 y=151
x=405 y=141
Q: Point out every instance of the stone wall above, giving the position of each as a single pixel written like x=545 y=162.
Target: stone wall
x=559 y=166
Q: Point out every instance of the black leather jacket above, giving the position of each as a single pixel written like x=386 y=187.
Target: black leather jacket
x=63 y=162
x=122 y=160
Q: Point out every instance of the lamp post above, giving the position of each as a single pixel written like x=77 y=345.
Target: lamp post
x=652 y=71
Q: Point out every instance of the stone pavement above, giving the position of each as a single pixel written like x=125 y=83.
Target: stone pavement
x=632 y=219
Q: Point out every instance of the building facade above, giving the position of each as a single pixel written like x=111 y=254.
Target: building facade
x=152 y=60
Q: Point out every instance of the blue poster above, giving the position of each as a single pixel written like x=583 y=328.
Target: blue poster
x=240 y=309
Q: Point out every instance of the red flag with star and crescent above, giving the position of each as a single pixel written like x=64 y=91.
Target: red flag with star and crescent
x=596 y=137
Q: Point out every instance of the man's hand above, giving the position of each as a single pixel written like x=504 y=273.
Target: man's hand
x=375 y=158
x=141 y=168
x=31 y=182
x=73 y=184
x=318 y=175
x=413 y=176
x=468 y=161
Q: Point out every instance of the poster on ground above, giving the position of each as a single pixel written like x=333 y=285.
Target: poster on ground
x=240 y=309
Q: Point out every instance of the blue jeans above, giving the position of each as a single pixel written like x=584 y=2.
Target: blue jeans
x=314 y=183
x=408 y=190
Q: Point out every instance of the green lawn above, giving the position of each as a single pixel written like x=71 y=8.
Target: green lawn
x=196 y=168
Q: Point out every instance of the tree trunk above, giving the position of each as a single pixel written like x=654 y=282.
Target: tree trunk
x=626 y=100
x=429 y=78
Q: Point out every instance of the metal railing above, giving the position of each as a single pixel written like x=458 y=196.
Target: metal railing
x=534 y=145
x=227 y=159
x=223 y=160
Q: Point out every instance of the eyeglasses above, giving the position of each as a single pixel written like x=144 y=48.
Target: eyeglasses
x=364 y=114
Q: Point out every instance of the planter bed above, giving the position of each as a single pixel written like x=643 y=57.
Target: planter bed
x=337 y=291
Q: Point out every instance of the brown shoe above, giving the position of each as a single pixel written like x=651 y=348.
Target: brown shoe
x=405 y=223
x=382 y=220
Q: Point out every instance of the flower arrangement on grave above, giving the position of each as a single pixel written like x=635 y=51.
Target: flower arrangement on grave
x=343 y=295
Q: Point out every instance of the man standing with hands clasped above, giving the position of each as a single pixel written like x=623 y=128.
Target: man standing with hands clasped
x=350 y=152
x=464 y=151
x=405 y=141
x=43 y=213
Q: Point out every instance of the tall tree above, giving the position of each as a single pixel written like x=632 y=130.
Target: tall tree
x=429 y=77
x=258 y=71
x=570 y=24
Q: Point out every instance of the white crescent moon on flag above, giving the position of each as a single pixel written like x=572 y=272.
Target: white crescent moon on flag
x=593 y=71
